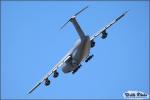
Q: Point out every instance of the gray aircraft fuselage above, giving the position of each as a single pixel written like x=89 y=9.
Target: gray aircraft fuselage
x=80 y=51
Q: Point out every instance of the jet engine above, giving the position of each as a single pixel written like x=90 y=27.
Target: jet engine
x=104 y=34
x=56 y=74
x=92 y=43
x=47 y=82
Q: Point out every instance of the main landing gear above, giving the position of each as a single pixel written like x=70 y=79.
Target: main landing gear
x=74 y=71
x=89 y=58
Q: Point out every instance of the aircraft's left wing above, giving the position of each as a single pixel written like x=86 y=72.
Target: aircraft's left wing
x=107 y=26
x=63 y=60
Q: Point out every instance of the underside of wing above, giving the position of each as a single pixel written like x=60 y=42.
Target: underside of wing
x=54 y=70
x=103 y=32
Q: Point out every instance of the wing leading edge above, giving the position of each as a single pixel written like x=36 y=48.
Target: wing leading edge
x=107 y=26
x=59 y=64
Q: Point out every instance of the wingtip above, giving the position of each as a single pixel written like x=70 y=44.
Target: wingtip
x=87 y=6
x=34 y=87
x=29 y=92
x=127 y=11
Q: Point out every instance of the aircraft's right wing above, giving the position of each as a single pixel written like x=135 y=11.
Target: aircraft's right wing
x=107 y=26
x=59 y=64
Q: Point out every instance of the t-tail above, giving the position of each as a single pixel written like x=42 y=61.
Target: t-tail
x=75 y=23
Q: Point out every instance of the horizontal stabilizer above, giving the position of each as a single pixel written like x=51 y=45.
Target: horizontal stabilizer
x=74 y=16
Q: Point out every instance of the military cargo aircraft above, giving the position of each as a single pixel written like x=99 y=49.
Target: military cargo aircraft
x=71 y=62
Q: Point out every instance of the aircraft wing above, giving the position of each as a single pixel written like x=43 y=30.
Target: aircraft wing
x=107 y=26
x=59 y=64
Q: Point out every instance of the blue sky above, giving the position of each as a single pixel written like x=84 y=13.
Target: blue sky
x=31 y=43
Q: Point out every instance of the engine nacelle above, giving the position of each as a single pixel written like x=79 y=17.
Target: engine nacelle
x=92 y=43
x=104 y=34
x=56 y=74
x=47 y=82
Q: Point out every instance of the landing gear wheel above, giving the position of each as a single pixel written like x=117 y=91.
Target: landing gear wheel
x=89 y=58
x=74 y=71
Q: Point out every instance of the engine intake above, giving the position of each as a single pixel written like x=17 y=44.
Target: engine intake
x=47 y=82
x=104 y=34
x=55 y=74
x=92 y=43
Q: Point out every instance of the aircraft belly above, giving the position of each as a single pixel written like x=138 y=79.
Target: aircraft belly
x=86 y=49
x=79 y=54
x=82 y=51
